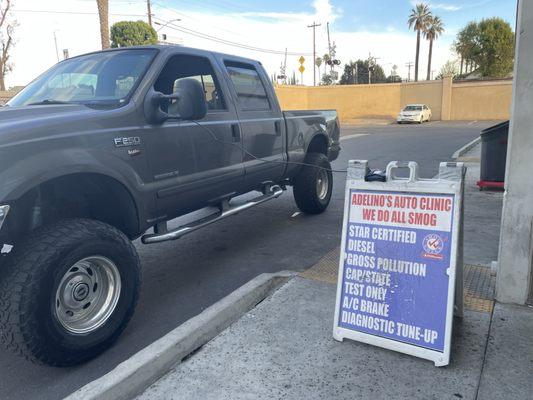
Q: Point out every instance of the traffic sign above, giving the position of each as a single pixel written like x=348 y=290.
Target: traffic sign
x=301 y=60
x=400 y=270
x=301 y=69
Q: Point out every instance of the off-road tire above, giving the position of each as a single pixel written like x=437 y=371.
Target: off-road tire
x=28 y=284
x=305 y=184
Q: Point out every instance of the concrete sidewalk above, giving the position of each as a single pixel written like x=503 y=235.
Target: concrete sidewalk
x=283 y=348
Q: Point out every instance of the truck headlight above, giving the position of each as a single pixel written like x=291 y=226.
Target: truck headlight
x=3 y=214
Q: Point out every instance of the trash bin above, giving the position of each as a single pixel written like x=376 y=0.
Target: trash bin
x=494 y=152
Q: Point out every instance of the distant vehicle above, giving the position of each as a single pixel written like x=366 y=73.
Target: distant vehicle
x=414 y=113
x=106 y=146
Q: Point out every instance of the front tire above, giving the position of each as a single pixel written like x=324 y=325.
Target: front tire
x=68 y=291
x=314 y=184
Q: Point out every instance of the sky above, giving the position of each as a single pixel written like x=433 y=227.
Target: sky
x=358 y=28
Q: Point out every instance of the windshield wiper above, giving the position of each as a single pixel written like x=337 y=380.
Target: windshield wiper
x=48 y=101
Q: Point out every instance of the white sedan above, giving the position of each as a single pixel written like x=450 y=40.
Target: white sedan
x=414 y=113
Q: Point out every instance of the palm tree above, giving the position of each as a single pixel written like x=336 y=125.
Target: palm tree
x=326 y=60
x=418 y=20
x=103 y=13
x=433 y=31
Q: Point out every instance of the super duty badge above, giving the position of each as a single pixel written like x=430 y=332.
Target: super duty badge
x=127 y=141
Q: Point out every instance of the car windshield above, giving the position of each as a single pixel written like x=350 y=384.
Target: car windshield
x=413 y=108
x=105 y=79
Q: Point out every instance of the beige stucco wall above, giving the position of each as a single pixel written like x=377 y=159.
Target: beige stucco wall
x=459 y=101
x=292 y=97
x=481 y=100
x=352 y=101
x=6 y=95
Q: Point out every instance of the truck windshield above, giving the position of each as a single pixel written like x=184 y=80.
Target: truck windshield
x=100 y=79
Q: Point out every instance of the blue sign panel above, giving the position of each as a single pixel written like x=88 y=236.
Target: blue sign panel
x=395 y=277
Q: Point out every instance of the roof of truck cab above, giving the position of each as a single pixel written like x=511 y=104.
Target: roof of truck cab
x=169 y=48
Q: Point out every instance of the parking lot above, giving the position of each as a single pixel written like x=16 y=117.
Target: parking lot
x=182 y=278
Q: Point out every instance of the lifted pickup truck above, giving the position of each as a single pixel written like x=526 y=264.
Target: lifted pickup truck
x=107 y=147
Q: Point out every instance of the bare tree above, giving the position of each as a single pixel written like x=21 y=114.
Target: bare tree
x=103 y=13
x=7 y=27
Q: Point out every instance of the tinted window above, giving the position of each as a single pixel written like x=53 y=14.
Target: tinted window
x=250 y=90
x=413 y=108
x=199 y=68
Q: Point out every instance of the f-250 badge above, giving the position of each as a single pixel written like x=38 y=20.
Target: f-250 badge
x=127 y=141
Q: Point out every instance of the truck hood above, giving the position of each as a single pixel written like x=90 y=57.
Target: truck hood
x=27 y=123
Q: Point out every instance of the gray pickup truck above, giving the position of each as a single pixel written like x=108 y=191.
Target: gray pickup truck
x=108 y=147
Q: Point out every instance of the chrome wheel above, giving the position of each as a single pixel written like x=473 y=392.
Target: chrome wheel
x=322 y=184
x=88 y=294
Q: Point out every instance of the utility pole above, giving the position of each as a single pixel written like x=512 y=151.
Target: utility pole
x=329 y=49
x=55 y=41
x=314 y=26
x=409 y=65
x=285 y=68
x=149 y=7
x=371 y=65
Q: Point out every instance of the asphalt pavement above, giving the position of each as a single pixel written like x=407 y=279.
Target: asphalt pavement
x=182 y=278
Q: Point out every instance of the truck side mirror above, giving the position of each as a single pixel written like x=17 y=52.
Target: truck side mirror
x=187 y=103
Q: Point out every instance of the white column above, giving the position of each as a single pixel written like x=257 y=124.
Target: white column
x=516 y=238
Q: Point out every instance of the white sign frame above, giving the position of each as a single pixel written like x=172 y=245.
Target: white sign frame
x=449 y=181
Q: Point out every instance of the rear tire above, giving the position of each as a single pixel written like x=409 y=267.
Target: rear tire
x=68 y=291
x=314 y=184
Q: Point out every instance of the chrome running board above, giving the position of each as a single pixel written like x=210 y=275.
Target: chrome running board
x=161 y=234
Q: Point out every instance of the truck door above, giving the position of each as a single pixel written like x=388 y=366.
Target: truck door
x=262 y=125
x=191 y=165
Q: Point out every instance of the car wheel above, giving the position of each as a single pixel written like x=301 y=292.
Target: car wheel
x=68 y=291
x=313 y=184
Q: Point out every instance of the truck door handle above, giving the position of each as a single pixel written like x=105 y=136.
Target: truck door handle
x=277 y=127
x=235 y=133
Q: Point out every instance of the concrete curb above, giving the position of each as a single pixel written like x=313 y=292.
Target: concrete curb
x=134 y=375
x=463 y=150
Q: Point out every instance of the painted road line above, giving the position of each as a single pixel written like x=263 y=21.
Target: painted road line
x=355 y=135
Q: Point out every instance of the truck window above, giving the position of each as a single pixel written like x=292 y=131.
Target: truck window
x=199 y=68
x=250 y=90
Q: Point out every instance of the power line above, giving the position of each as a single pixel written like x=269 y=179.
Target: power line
x=73 y=12
x=193 y=18
x=230 y=43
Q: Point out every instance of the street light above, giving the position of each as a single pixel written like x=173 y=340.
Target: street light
x=166 y=24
